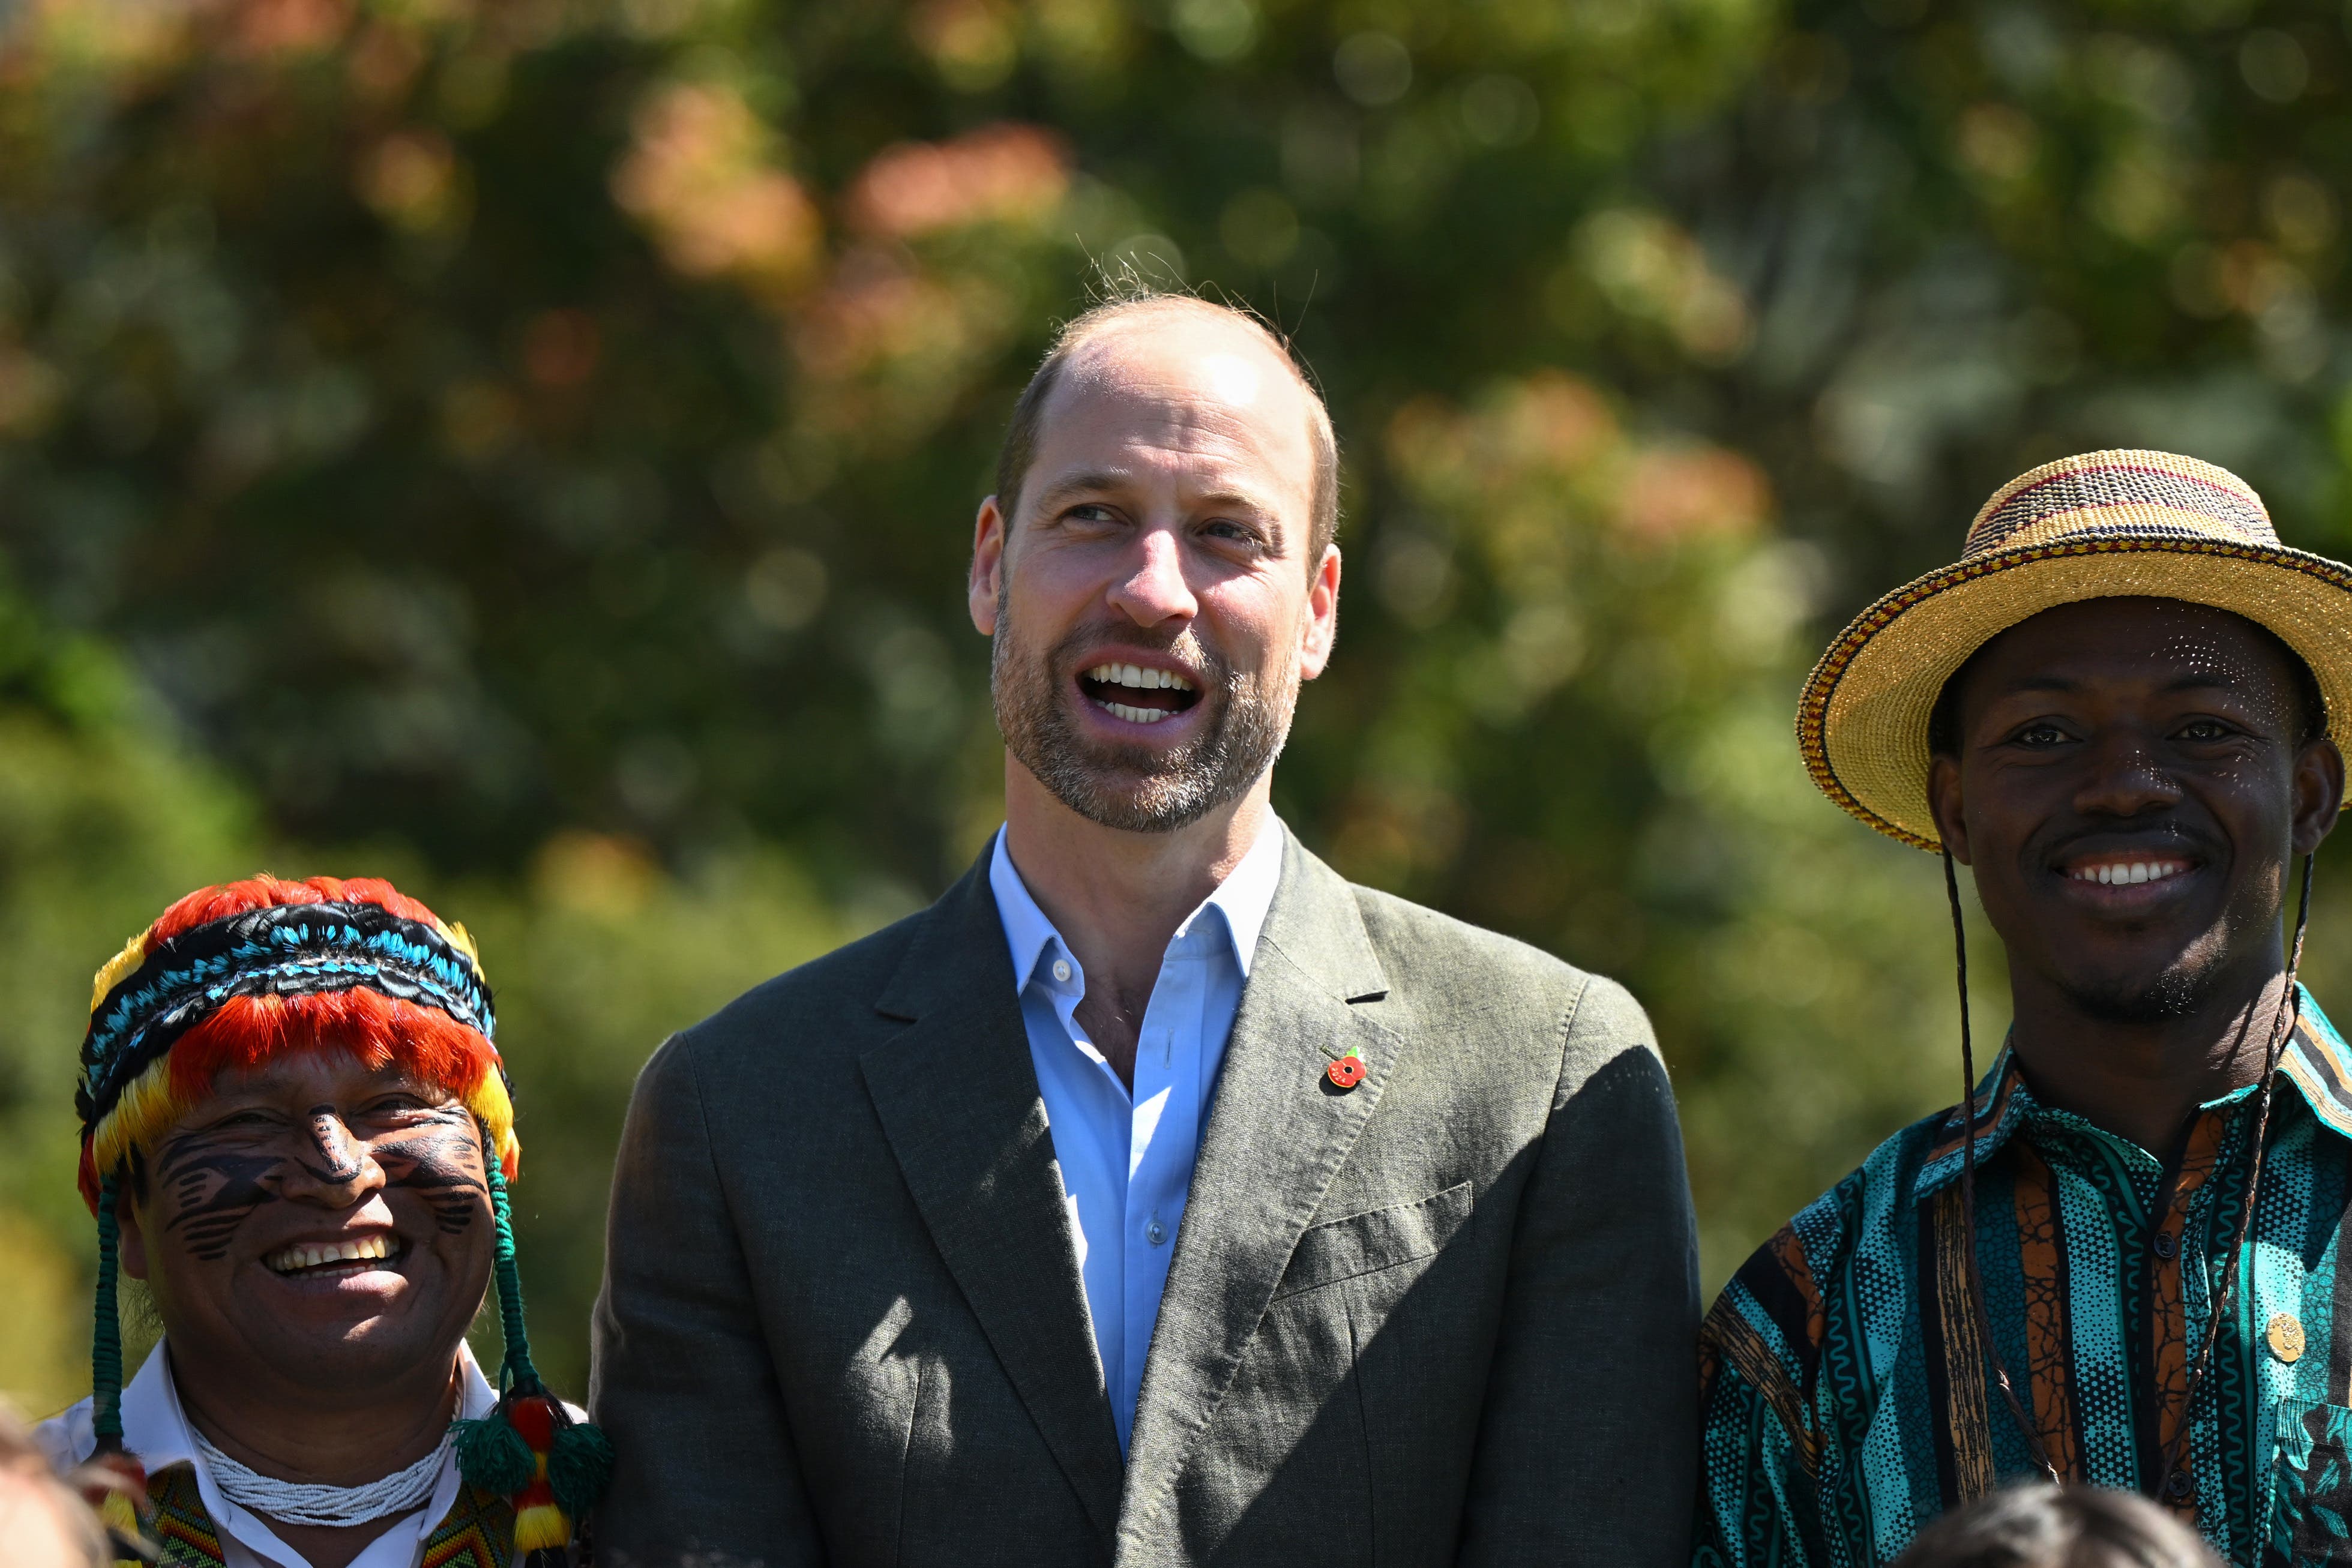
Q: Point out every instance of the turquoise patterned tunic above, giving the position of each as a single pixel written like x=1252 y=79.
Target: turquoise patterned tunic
x=1847 y=1398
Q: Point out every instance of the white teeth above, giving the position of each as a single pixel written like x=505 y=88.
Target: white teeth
x=2132 y=874
x=312 y=1254
x=1140 y=678
x=1137 y=715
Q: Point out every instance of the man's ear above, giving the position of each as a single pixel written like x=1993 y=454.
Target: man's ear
x=986 y=580
x=129 y=1240
x=1943 y=801
x=1322 y=629
x=2318 y=792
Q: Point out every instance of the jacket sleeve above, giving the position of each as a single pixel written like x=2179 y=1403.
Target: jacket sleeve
x=705 y=1468
x=1587 y=1445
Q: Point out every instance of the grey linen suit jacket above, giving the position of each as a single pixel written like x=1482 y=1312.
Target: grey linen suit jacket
x=1447 y=1316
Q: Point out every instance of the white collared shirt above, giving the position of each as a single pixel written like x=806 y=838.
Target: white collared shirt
x=155 y=1430
x=1127 y=1158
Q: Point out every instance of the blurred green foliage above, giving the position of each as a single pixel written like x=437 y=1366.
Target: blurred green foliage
x=528 y=449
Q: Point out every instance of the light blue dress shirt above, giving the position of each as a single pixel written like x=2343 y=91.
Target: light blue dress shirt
x=1127 y=1159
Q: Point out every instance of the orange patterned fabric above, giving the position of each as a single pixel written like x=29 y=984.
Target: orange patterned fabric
x=2041 y=1259
x=2168 y=1317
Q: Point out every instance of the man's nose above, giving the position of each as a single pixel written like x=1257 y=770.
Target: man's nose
x=1154 y=589
x=2125 y=778
x=334 y=1167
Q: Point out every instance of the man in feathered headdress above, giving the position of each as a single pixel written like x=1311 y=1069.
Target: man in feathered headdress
x=297 y=1131
x=2120 y=1262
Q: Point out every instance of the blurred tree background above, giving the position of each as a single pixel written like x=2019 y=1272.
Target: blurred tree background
x=528 y=449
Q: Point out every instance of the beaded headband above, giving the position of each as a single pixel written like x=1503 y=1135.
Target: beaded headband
x=286 y=950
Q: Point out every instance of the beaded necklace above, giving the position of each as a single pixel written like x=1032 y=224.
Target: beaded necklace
x=479 y=1531
x=293 y=1502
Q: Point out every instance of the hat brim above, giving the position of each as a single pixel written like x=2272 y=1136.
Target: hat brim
x=1863 y=721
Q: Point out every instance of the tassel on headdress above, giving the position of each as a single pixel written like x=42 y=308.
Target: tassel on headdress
x=123 y=1477
x=530 y=1450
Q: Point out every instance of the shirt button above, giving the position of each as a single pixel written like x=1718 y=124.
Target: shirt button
x=1062 y=971
x=1155 y=1233
x=2177 y=1486
x=2166 y=1244
x=2286 y=1337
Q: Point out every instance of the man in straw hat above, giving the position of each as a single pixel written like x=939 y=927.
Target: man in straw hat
x=2121 y=1266
x=295 y=1130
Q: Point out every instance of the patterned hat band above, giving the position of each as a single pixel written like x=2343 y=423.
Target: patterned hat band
x=2113 y=494
x=286 y=950
x=2125 y=524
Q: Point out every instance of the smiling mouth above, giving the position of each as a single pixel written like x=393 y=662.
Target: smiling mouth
x=312 y=1259
x=2129 y=873
x=1137 y=695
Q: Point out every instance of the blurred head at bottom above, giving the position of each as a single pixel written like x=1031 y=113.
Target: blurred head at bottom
x=2051 y=1526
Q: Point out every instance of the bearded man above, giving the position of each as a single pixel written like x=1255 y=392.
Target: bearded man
x=297 y=1131
x=2120 y=1260
x=1156 y=1196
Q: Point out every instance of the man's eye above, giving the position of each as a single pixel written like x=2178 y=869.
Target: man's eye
x=2205 y=730
x=1091 y=512
x=1230 y=531
x=2040 y=735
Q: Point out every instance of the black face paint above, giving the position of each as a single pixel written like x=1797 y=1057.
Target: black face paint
x=340 y=1164
x=211 y=1190
x=432 y=1161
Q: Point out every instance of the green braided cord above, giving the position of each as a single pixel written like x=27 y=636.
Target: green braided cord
x=516 y=1373
x=105 y=1331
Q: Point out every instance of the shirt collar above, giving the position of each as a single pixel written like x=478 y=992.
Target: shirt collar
x=2316 y=1061
x=1242 y=901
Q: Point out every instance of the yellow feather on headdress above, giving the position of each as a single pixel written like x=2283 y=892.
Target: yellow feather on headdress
x=133 y=954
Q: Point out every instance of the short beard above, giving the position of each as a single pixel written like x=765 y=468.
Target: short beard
x=2185 y=988
x=2175 y=994
x=1130 y=787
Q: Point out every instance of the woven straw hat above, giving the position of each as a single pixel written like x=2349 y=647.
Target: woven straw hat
x=2104 y=524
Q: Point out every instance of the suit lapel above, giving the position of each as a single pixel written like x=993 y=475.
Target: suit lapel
x=1276 y=1136
x=957 y=1095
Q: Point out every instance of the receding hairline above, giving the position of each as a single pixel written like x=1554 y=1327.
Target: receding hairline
x=1093 y=327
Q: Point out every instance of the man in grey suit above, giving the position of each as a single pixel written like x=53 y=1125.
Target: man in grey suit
x=1155 y=1197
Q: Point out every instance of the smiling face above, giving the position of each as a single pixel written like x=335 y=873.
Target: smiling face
x=2131 y=778
x=1152 y=603
x=315 y=1221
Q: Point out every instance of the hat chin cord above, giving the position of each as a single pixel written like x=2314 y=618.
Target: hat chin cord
x=2282 y=1020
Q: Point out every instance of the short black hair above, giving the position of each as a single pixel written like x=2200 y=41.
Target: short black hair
x=2311 y=707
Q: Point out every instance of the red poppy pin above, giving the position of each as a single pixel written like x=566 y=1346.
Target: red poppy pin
x=1346 y=1072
